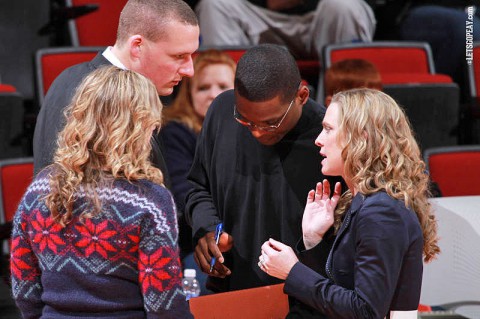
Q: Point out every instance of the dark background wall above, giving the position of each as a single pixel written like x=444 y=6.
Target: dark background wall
x=19 y=22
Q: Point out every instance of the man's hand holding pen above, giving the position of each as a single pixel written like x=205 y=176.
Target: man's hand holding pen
x=211 y=247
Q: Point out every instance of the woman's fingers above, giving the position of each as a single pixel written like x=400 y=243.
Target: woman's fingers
x=310 y=196
x=337 y=193
x=326 y=189
x=318 y=191
x=322 y=192
x=276 y=245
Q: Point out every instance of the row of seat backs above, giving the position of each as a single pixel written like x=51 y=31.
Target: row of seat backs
x=432 y=107
x=398 y=62
x=98 y=28
x=50 y=62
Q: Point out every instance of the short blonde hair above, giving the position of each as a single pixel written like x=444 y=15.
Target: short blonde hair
x=109 y=124
x=381 y=154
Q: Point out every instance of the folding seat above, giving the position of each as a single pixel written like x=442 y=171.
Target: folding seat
x=456 y=169
x=15 y=176
x=50 y=62
x=98 y=28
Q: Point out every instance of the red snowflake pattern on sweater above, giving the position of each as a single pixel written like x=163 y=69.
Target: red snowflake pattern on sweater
x=158 y=270
x=95 y=238
x=128 y=253
x=46 y=232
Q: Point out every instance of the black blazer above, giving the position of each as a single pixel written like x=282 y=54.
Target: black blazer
x=374 y=266
x=51 y=120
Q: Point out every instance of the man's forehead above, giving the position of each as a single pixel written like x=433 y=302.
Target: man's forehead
x=243 y=101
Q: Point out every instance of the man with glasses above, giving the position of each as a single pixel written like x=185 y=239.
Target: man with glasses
x=254 y=165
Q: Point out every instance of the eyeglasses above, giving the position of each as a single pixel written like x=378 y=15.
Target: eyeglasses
x=267 y=128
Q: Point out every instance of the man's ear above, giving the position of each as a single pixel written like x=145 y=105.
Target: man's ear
x=135 y=43
x=303 y=93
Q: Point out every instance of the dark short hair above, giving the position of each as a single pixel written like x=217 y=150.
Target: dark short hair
x=266 y=71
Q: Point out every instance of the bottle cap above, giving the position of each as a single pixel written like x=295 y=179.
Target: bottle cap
x=190 y=273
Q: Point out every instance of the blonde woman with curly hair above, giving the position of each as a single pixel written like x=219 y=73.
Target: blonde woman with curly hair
x=362 y=252
x=95 y=234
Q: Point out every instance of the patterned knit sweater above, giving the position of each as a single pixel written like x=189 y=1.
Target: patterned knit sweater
x=123 y=263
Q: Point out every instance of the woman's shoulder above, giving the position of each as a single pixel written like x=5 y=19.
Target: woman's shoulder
x=381 y=203
x=41 y=182
x=149 y=190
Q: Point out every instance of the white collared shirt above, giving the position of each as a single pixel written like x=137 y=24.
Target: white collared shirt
x=108 y=54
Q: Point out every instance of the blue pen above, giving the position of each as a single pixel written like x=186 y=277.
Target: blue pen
x=218 y=232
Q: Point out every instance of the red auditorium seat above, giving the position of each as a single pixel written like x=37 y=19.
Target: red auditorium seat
x=399 y=62
x=414 y=78
x=7 y=88
x=456 y=169
x=15 y=176
x=98 y=28
x=50 y=62
x=387 y=56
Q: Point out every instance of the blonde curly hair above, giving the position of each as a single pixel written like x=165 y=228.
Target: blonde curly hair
x=109 y=124
x=381 y=154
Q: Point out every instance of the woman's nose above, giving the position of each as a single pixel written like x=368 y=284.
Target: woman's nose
x=318 y=141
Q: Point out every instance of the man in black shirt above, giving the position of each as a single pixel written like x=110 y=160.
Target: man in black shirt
x=254 y=165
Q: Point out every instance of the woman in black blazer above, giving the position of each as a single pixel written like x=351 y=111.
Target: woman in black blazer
x=361 y=252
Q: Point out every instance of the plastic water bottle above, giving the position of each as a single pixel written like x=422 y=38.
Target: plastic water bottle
x=190 y=284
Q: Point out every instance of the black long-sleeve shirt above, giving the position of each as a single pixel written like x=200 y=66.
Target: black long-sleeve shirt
x=257 y=191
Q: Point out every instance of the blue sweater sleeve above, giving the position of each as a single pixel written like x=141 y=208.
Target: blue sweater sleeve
x=25 y=271
x=159 y=261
